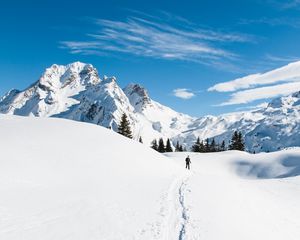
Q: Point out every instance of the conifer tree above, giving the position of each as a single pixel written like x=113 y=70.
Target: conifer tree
x=237 y=142
x=124 y=127
x=140 y=139
x=196 y=146
x=223 y=147
x=181 y=148
x=168 y=146
x=161 y=146
x=154 y=145
x=233 y=141
x=207 y=145
x=241 y=144
x=213 y=147
x=177 y=147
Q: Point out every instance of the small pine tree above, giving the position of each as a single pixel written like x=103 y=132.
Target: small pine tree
x=140 y=139
x=233 y=141
x=161 y=146
x=213 y=147
x=207 y=145
x=241 y=144
x=168 y=146
x=237 y=142
x=223 y=146
x=124 y=127
x=177 y=147
x=154 y=145
x=181 y=149
x=196 y=146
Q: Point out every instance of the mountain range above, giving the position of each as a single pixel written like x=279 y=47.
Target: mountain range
x=77 y=92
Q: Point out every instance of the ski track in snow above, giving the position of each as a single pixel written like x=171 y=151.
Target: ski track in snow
x=184 y=210
x=177 y=217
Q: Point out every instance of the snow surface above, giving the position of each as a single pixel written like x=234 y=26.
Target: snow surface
x=235 y=195
x=62 y=179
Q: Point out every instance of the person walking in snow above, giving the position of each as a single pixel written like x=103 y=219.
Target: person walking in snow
x=187 y=162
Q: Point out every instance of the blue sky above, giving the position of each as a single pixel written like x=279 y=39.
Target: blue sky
x=178 y=50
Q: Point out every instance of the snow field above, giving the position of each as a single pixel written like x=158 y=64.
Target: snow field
x=62 y=179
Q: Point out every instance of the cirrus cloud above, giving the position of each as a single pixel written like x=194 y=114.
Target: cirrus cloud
x=171 y=39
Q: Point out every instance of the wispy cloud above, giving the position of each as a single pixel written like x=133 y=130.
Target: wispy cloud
x=278 y=82
x=183 y=93
x=173 y=38
x=285 y=59
x=251 y=95
x=288 y=73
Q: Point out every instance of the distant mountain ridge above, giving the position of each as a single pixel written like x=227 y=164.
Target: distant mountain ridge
x=76 y=92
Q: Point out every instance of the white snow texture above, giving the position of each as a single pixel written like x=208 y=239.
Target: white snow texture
x=68 y=180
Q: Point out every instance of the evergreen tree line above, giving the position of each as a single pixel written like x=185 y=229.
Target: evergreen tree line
x=236 y=142
x=160 y=146
x=208 y=146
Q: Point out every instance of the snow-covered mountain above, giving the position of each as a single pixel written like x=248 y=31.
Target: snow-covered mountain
x=270 y=128
x=76 y=92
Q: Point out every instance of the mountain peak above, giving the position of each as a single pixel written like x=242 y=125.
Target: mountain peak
x=137 y=95
x=78 y=64
x=75 y=75
x=107 y=79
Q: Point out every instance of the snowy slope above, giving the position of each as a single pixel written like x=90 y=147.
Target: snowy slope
x=235 y=195
x=63 y=180
x=76 y=92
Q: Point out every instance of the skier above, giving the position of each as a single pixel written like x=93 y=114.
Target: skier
x=187 y=162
